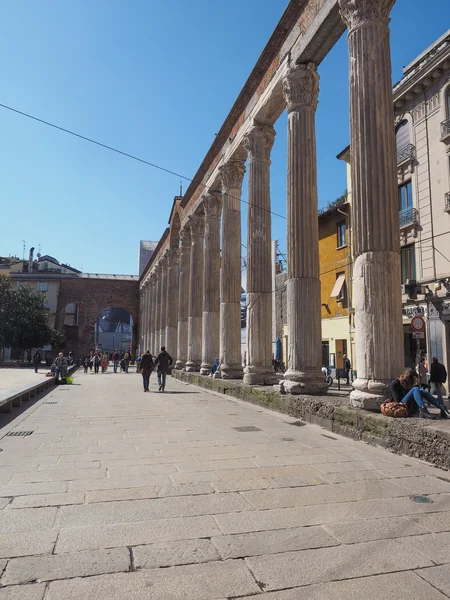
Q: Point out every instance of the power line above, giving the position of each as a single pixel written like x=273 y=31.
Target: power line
x=128 y=155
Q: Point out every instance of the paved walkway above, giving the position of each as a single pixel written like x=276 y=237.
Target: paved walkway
x=113 y=484
x=11 y=377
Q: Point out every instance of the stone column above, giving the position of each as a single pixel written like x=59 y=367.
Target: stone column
x=142 y=329
x=156 y=343
x=149 y=313
x=258 y=143
x=232 y=174
x=172 y=302
x=163 y=300
x=212 y=205
x=197 y=222
x=303 y=376
x=146 y=307
x=375 y=222
x=152 y=315
x=183 y=297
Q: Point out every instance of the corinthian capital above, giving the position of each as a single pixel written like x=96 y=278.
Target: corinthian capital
x=232 y=173
x=212 y=204
x=197 y=223
x=356 y=13
x=259 y=141
x=301 y=87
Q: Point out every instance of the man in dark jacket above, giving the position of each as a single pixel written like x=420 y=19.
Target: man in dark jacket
x=146 y=369
x=36 y=360
x=347 y=367
x=438 y=376
x=163 y=362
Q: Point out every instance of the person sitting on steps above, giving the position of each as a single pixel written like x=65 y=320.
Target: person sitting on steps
x=405 y=389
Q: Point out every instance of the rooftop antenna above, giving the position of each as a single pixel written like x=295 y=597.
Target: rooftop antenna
x=24 y=248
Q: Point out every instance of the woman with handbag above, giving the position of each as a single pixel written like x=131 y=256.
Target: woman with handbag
x=405 y=390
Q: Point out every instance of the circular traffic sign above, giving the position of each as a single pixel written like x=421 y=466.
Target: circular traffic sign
x=418 y=324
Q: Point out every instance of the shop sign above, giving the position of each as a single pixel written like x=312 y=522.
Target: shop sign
x=411 y=311
x=418 y=335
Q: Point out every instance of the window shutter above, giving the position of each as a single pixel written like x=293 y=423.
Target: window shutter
x=402 y=135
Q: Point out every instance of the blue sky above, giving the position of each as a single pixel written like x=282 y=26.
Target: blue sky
x=155 y=79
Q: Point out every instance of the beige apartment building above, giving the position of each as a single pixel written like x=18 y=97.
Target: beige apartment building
x=422 y=122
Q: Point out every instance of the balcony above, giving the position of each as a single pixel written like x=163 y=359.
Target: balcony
x=445 y=130
x=408 y=217
x=447 y=202
x=406 y=154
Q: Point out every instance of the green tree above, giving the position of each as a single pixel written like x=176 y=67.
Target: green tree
x=24 y=318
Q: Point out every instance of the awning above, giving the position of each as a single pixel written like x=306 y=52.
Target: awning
x=338 y=286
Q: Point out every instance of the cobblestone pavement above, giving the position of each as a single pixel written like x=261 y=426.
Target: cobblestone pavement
x=118 y=494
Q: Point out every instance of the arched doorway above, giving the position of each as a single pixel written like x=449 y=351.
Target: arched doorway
x=113 y=329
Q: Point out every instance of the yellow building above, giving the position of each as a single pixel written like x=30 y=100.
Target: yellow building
x=335 y=278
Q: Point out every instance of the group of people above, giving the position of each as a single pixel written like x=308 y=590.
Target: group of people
x=411 y=389
x=163 y=361
x=96 y=360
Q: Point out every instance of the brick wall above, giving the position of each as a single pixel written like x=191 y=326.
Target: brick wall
x=91 y=296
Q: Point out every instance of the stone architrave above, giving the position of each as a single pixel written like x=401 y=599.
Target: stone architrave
x=183 y=297
x=232 y=173
x=303 y=376
x=197 y=223
x=212 y=205
x=375 y=219
x=163 y=300
x=258 y=142
x=158 y=276
x=172 y=301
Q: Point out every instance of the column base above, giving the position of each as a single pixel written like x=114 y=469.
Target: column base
x=368 y=394
x=192 y=366
x=231 y=371
x=179 y=365
x=303 y=383
x=205 y=369
x=259 y=376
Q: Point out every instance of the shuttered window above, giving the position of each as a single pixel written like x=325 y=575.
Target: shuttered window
x=402 y=135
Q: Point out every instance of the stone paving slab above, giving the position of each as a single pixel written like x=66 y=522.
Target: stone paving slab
x=194 y=582
x=438 y=577
x=395 y=586
x=376 y=529
x=292 y=569
x=27 y=543
x=65 y=566
x=171 y=554
x=24 y=592
x=42 y=500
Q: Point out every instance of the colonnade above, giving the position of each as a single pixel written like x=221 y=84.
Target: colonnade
x=191 y=301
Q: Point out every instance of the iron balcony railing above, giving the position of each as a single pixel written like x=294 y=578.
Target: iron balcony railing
x=406 y=153
x=445 y=129
x=409 y=216
x=447 y=201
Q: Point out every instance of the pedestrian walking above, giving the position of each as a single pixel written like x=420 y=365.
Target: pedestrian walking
x=423 y=373
x=105 y=362
x=347 y=368
x=126 y=361
x=438 y=376
x=91 y=360
x=116 y=360
x=36 y=360
x=96 y=361
x=60 y=367
x=86 y=364
x=163 y=362
x=147 y=365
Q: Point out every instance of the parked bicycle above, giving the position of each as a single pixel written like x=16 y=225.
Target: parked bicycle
x=327 y=375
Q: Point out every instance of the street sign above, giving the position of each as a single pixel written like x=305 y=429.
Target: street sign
x=418 y=335
x=417 y=323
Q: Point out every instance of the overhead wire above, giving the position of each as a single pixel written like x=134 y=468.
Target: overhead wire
x=132 y=156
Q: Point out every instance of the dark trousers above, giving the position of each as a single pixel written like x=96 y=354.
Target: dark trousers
x=146 y=379
x=96 y=367
x=162 y=379
x=36 y=367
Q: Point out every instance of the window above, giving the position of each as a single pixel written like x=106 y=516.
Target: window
x=405 y=200
x=341 y=234
x=43 y=286
x=45 y=266
x=71 y=314
x=402 y=135
x=339 y=290
x=408 y=263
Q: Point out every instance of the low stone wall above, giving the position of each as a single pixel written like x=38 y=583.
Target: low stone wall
x=426 y=440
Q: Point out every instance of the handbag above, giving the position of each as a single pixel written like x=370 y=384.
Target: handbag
x=396 y=410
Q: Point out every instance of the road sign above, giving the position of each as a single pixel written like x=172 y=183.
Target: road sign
x=417 y=323
x=418 y=335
